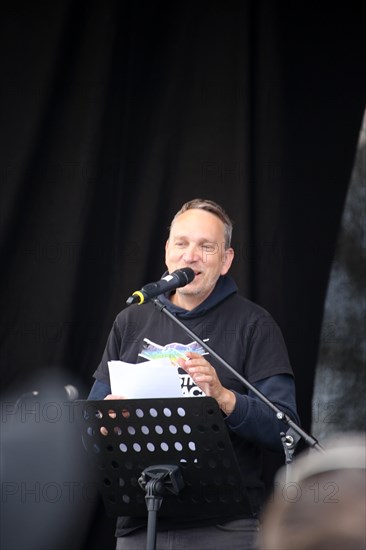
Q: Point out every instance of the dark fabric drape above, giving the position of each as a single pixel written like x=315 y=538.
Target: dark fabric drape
x=113 y=114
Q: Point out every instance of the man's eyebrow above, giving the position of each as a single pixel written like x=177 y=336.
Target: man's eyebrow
x=200 y=241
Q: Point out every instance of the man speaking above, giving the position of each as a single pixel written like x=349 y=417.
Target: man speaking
x=235 y=328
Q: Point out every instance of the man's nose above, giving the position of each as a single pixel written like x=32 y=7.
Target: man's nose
x=192 y=254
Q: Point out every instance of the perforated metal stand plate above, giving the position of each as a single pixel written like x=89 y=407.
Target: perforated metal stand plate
x=126 y=436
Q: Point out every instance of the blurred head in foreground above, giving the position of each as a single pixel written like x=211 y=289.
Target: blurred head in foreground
x=321 y=505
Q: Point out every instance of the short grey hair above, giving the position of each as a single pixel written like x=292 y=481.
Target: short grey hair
x=213 y=208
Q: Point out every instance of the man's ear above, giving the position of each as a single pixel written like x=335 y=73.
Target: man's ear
x=166 y=248
x=227 y=260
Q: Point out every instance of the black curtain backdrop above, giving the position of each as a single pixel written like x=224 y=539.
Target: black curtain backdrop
x=115 y=113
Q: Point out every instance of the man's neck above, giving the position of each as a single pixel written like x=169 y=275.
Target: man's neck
x=181 y=303
x=186 y=301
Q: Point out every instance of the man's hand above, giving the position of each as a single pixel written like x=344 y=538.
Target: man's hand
x=204 y=375
x=111 y=396
x=112 y=413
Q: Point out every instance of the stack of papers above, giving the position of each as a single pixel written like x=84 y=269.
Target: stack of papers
x=156 y=378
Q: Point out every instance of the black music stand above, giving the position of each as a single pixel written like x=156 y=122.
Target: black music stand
x=173 y=456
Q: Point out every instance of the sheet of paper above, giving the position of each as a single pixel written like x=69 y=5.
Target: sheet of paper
x=156 y=378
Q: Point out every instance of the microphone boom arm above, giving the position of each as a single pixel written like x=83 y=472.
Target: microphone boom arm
x=293 y=427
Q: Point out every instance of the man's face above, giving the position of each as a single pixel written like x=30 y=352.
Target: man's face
x=197 y=241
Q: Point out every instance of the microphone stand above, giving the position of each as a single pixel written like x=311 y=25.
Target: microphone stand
x=294 y=433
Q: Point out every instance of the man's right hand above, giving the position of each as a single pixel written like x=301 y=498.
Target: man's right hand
x=111 y=396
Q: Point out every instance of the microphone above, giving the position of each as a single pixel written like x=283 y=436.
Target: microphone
x=177 y=279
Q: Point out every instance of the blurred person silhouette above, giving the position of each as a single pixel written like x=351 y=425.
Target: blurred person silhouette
x=47 y=487
x=321 y=504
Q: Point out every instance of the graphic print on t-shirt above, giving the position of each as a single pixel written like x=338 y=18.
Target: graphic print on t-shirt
x=151 y=350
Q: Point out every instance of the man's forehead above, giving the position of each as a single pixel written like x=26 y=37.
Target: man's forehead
x=199 y=217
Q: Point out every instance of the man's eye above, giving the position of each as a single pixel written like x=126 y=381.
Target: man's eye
x=208 y=247
x=179 y=244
